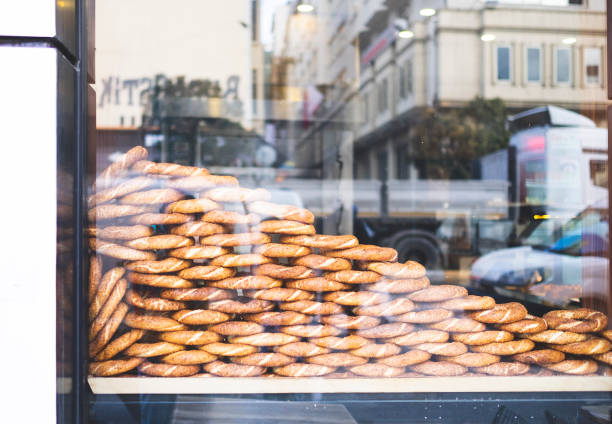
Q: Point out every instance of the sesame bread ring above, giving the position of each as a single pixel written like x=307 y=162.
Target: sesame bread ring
x=161 y=218
x=501 y=314
x=237 y=194
x=365 y=252
x=104 y=289
x=322 y=242
x=410 y=269
x=356 y=298
x=237 y=328
x=303 y=370
x=237 y=239
x=229 y=217
x=198 y=252
x=539 y=356
x=604 y=357
x=200 y=317
x=246 y=282
x=158 y=267
x=123 y=162
x=419 y=337
x=149 y=350
x=198 y=294
x=396 y=306
x=152 y=322
x=376 y=350
x=159 y=280
x=473 y=359
x=312 y=307
x=190 y=337
x=283 y=272
x=315 y=330
x=283 y=226
x=279 y=318
x=230 y=306
x=439 y=368
x=350 y=322
x=377 y=370
x=301 y=349
x=120 y=252
x=189 y=357
x=127 y=232
x=229 y=349
x=192 y=206
x=103 y=212
x=505 y=348
x=113 y=301
x=119 y=344
x=113 y=367
x=121 y=189
x=438 y=293
x=280 y=294
x=581 y=320
x=202 y=272
x=400 y=286
x=427 y=316
x=530 y=324
x=156 y=196
x=556 y=337
x=317 y=284
x=483 y=337
x=197 y=228
x=460 y=325
x=337 y=359
x=445 y=349
x=95 y=276
x=590 y=346
x=106 y=333
x=162 y=241
x=236 y=260
x=167 y=370
x=385 y=331
x=350 y=276
x=574 y=366
x=607 y=334
x=150 y=303
x=349 y=342
x=265 y=339
x=468 y=303
x=147 y=167
x=322 y=262
x=285 y=212
x=504 y=369
x=233 y=370
x=406 y=359
x=278 y=250
x=264 y=359
x=199 y=183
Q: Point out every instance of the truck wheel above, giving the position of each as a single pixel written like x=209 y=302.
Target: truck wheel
x=420 y=250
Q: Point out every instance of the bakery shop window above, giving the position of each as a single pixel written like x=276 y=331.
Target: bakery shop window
x=463 y=234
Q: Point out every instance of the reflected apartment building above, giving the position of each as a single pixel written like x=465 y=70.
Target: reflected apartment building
x=365 y=70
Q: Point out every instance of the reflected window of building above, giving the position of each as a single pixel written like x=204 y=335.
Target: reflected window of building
x=534 y=64
x=592 y=65
x=402 y=163
x=504 y=63
x=402 y=82
x=408 y=67
x=365 y=108
x=383 y=96
x=563 y=68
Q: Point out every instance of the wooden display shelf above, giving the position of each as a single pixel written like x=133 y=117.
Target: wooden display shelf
x=218 y=385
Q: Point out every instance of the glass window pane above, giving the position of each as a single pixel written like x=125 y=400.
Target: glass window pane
x=592 y=64
x=563 y=65
x=533 y=64
x=503 y=63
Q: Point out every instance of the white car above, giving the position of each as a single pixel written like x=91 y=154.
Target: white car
x=563 y=252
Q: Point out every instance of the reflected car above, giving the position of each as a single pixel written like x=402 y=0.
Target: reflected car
x=555 y=251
